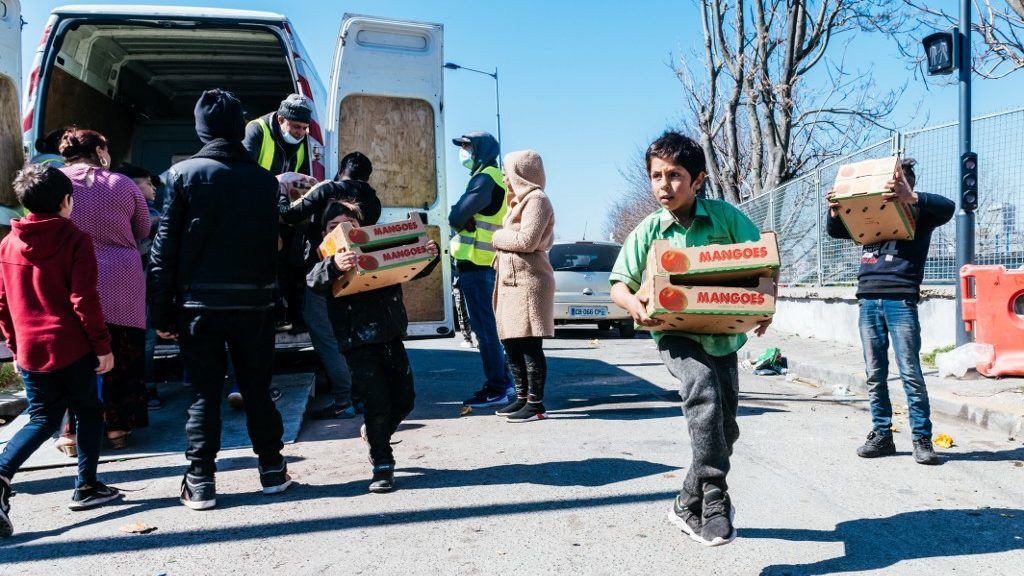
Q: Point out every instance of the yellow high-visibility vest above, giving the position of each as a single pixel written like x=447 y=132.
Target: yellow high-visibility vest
x=268 y=149
x=476 y=246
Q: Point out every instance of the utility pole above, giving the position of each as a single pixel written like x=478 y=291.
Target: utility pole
x=968 y=169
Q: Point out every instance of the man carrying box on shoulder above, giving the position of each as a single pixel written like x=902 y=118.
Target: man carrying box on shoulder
x=705 y=364
x=888 y=290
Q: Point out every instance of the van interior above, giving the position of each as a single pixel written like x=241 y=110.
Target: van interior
x=138 y=83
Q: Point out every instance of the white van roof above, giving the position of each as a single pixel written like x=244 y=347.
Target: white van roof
x=137 y=10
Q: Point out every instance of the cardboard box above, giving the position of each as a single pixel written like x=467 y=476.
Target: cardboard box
x=708 y=309
x=387 y=253
x=715 y=264
x=867 y=216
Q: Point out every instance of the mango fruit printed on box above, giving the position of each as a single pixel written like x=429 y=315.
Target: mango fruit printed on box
x=867 y=215
x=716 y=289
x=387 y=253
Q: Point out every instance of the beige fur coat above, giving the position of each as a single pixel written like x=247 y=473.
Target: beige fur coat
x=524 y=289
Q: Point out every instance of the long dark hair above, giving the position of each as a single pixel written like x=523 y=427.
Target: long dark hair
x=81 y=145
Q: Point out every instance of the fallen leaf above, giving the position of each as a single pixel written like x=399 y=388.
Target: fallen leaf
x=943 y=441
x=137 y=528
x=465 y=411
x=594 y=342
x=668 y=475
x=1018 y=464
x=893 y=428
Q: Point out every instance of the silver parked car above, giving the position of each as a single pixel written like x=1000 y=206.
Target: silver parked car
x=582 y=292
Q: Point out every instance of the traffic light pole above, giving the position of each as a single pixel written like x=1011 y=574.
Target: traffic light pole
x=965 y=214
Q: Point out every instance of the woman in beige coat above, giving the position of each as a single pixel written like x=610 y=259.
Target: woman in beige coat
x=524 y=290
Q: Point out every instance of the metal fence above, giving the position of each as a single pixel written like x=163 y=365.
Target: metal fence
x=796 y=210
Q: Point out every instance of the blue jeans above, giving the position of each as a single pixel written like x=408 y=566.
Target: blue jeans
x=881 y=320
x=50 y=394
x=326 y=345
x=478 y=288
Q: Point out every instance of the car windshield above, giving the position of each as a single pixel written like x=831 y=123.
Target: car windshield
x=583 y=257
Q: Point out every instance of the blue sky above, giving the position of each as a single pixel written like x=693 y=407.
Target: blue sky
x=585 y=84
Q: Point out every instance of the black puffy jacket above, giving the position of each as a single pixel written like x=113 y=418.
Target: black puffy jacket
x=216 y=245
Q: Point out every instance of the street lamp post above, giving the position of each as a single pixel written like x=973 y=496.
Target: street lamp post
x=497 y=100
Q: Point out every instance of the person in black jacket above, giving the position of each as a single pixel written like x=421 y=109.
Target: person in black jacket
x=211 y=284
x=888 y=290
x=370 y=327
x=351 y=185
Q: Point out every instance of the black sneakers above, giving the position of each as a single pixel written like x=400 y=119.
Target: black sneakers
x=511 y=408
x=687 y=516
x=92 y=496
x=6 y=526
x=275 y=480
x=877 y=444
x=383 y=479
x=923 y=451
x=528 y=413
x=198 y=492
x=334 y=411
x=716 y=526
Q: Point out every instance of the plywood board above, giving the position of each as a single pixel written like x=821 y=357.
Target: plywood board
x=11 y=156
x=424 y=298
x=73 y=102
x=714 y=264
x=397 y=134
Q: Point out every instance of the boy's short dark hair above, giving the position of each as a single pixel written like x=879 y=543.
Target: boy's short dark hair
x=132 y=171
x=356 y=166
x=908 y=170
x=342 y=208
x=680 y=150
x=41 y=188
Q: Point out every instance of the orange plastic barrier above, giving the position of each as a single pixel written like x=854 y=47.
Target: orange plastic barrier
x=988 y=311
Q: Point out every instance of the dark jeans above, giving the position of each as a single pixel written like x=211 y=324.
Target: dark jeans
x=478 y=288
x=381 y=374
x=881 y=320
x=321 y=333
x=249 y=337
x=49 y=395
x=709 y=387
x=528 y=366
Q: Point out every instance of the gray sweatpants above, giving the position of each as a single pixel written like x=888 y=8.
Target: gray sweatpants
x=709 y=386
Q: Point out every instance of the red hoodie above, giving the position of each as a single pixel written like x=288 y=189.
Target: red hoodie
x=49 y=308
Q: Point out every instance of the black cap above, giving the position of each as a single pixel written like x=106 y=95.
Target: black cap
x=461 y=140
x=219 y=115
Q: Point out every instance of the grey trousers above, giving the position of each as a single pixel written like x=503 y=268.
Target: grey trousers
x=709 y=386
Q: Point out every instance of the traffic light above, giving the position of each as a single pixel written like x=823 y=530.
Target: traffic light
x=969 y=182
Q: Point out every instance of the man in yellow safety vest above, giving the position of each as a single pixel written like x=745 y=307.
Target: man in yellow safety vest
x=277 y=141
x=474 y=218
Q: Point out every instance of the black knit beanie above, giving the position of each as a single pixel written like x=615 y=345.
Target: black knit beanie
x=219 y=115
x=296 y=107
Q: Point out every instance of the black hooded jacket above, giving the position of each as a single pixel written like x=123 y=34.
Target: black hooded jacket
x=374 y=317
x=313 y=203
x=482 y=195
x=216 y=244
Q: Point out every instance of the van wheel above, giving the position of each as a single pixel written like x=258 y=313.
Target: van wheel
x=627 y=329
x=604 y=326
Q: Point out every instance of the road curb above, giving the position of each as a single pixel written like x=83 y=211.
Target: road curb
x=942 y=403
x=12 y=404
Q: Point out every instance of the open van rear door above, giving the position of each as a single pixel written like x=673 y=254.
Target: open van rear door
x=385 y=100
x=11 y=151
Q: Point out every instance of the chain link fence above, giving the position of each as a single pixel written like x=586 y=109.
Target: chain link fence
x=796 y=210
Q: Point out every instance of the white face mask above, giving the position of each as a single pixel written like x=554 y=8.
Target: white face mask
x=289 y=138
x=465 y=158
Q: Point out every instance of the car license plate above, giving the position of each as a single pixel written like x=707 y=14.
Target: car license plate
x=588 y=311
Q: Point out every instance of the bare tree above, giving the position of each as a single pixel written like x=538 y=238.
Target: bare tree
x=999 y=24
x=634 y=203
x=771 y=93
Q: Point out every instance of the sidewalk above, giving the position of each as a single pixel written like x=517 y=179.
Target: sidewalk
x=996 y=405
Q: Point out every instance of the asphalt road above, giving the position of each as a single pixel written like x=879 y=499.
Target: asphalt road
x=585 y=492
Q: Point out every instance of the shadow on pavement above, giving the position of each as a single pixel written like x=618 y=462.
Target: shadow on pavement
x=878 y=543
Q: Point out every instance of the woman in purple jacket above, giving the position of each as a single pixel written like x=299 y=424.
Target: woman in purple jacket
x=111 y=208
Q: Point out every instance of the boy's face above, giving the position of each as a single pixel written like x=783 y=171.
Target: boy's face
x=672 y=185
x=146 y=185
x=337 y=220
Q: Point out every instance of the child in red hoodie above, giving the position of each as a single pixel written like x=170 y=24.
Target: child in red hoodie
x=50 y=315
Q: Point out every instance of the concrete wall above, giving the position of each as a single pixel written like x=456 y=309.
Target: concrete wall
x=831 y=314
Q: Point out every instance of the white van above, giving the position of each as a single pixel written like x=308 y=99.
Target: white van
x=134 y=73
x=11 y=154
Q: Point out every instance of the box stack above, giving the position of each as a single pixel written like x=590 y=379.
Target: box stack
x=867 y=215
x=717 y=289
x=387 y=254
